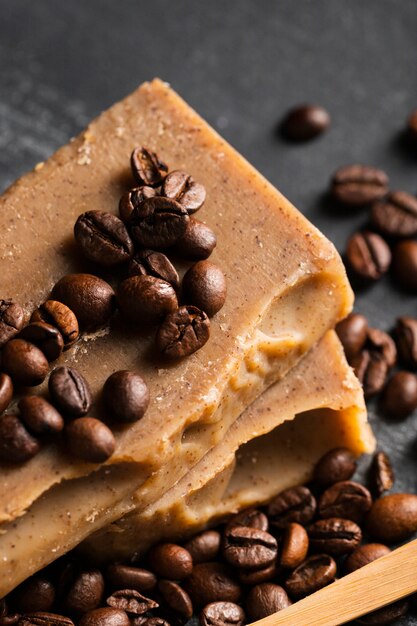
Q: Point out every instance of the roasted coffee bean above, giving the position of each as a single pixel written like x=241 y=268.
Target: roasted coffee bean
x=126 y=396
x=368 y=255
x=249 y=548
x=130 y=577
x=103 y=238
x=334 y=536
x=39 y=416
x=249 y=517
x=352 y=332
x=142 y=620
x=357 y=185
x=399 y=398
x=222 y=614
x=382 y=343
x=257 y=576
x=158 y=222
x=90 y=439
x=85 y=593
x=406 y=340
x=46 y=337
x=305 y=122
x=91 y=299
x=24 y=362
x=204 y=286
x=183 y=332
x=146 y=299
x=10 y=620
x=265 y=599
x=132 y=199
x=204 y=546
x=346 y=499
x=43 y=618
x=176 y=598
x=16 y=443
x=35 y=594
x=374 y=362
x=387 y=615
x=105 y=617
x=59 y=315
x=197 y=243
x=147 y=167
x=296 y=504
x=381 y=473
x=12 y=318
x=412 y=125
x=6 y=391
x=168 y=560
x=182 y=187
x=404 y=263
x=393 y=518
x=294 y=546
x=314 y=574
x=69 y=391
x=336 y=465
x=212 y=582
x=363 y=555
x=131 y=601
x=396 y=216
x=153 y=263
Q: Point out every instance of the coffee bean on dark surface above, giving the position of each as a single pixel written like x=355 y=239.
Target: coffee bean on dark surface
x=296 y=504
x=169 y=560
x=146 y=299
x=25 y=363
x=204 y=286
x=399 y=397
x=6 y=391
x=92 y=300
x=59 y=315
x=315 y=573
x=396 y=216
x=204 y=547
x=336 y=465
x=154 y=263
x=182 y=333
x=404 y=263
x=393 y=517
x=412 y=125
x=39 y=416
x=11 y=320
x=176 y=598
x=182 y=187
x=90 y=439
x=346 y=499
x=105 y=617
x=197 y=243
x=387 y=615
x=142 y=620
x=357 y=185
x=334 y=536
x=265 y=599
x=130 y=577
x=131 y=601
x=381 y=474
x=125 y=396
x=212 y=582
x=257 y=576
x=365 y=554
x=147 y=167
x=35 y=594
x=249 y=548
x=352 y=332
x=85 y=593
x=368 y=255
x=249 y=517
x=222 y=614
x=69 y=391
x=158 y=222
x=305 y=122
x=294 y=546
x=44 y=618
x=132 y=199
x=103 y=238
x=16 y=443
x=406 y=340
x=374 y=362
x=46 y=337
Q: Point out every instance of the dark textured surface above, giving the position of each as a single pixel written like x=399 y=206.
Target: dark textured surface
x=241 y=65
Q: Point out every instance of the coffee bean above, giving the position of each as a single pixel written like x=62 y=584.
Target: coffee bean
x=131 y=601
x=147 y=167
x=387 y=615
x=265 y=599
x=90 y=439
x=382 y=343
x=153 y=263
x=412 y=125
x=363 y=555
x=39 y=415
x=222 y=614
x=142 y=620
x=46 y=337
x=6 y=391
x=249 y=548
x=305 y=122
x=357 y=185
x=43 y=618
x=405 y=265
x=374 y=362
x=249 y=517
x=176 y=598
x=197 y=243
x=406 y=339
x=393 y=518
x=204 y=286
x=336 y=465
x=258 y=576
x=105 y=617
x=212 y=582
x=399 y=398
x=10 y=620
x=103 y=238
x=35 y=594
x=69 y=391
x=129 y=577
x=158 y=222
x=182 y=187
x=334 y=536
x=168 y=560
x=132 y=199
x=381 y=473
x=204 y=546
x=125 y=396
x=11 y=320
x=346 y=499
x=296 y=504
x=183 y=332
x=146 y=299
x=368 y=255
x=16 y=443
x=352 y=332
x=85 y=593
x=91 y=299
x=59 y=315
x=396 y=216
x=294 y=546
x=24 y=362
x=314 y=574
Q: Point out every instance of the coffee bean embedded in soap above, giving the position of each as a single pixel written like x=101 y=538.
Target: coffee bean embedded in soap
x=12 y=318
x=314 y=574
x=146 y=299
x=346 y=499
x=46 y=337
x=24 y=362
x=17 y=445
x=405 y=265
x=296 y=504
x=266 y=599
x=363 y=555
x=393 y=518
x=334 y=466
x=222 y=614
x=204 y=286
x=147 y=167
x=69 y=391
x=249 y=548
x=61 y=317
x=368 y=255
x=358 y=185
x=182 y=333
x=103 y=238
x=169 y=560
x=399 y=397
x=6 y=391
x=197 y=243
x=405 y=335
x=90 y=439
x=396 y=216
x=305 y=122
x=352 y=332
x=158 y=222
x=182 y=187
x=39 y=416
x=381 y=473
x=125 y=396
x=105 y=617
x=334 y=536
x=154 y=263
x=132 y=199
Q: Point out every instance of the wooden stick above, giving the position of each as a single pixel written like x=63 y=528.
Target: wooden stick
x=371 y=587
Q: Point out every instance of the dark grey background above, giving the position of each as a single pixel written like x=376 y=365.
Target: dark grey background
x=241 y=64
